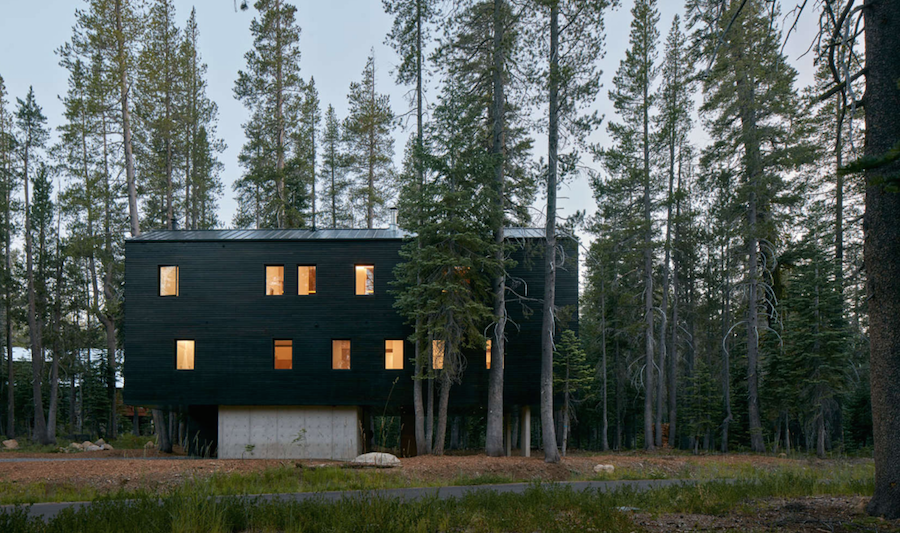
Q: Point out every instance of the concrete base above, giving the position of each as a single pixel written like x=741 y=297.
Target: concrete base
x=289 y=432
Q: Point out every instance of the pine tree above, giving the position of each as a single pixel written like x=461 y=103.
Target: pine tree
x=630 y=158
x=32 y=137
x=444 y=281
x=370 y=146
x=673 y=124
x=751 y=111
x=198 y=117
x=410 y=37
x=161 y=142
x=309 y=117
x=333 y=172
x=269 y=88
x=8 y=190
x=573 y=79
x=573 y=376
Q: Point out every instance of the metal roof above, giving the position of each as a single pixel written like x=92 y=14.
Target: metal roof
x=300 y=234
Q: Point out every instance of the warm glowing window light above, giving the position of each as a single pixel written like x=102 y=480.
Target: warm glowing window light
x=284 y=354
x=365 y=280
x=393 y=355
x=168 y=281
x=184 y=355
x=487 y=354
x=340 y=355
x=274 y=280
x=306 y=280
x=437 y=354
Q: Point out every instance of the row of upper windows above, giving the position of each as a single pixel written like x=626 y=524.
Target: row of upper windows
x=306 y=280
x=283 y=350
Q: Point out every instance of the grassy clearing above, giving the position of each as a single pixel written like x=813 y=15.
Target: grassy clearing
x=548 y=508
x=287 y=479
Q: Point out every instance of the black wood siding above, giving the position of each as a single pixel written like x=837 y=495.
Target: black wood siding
x=223 y=308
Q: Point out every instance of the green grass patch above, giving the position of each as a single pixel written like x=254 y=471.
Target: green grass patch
x=546 y=509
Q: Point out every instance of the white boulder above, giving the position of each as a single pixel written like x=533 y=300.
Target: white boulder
x=383 y=460
x=92 y=448
x=608 y=469
x=11 y=444
x=76 y=446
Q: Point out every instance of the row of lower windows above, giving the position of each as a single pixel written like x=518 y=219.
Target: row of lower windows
x=306 y=280
x=340 y=354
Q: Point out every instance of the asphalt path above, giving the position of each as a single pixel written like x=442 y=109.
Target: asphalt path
x=47 y=511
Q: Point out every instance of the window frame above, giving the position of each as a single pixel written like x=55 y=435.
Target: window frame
x=159 y=281
x=364 y=265
x=194 y=357
x=275 y=356
x=316 y=269
x=266 y=279
x=350 y=358
x=402 y=352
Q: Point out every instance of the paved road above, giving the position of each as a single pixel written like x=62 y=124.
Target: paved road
x=49 y=510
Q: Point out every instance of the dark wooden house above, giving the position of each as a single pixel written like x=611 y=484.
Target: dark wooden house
x=279 y=343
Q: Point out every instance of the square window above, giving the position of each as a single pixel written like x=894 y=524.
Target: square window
x=284 y=354
x=184 y=359
x=393 y=355
x=437 y=355
x=340 y=355
x=306 y=280
x=168 y=281
x=274 y=280
x=365 y=280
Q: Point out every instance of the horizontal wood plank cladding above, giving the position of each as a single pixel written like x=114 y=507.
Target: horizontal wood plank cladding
x=222 y=306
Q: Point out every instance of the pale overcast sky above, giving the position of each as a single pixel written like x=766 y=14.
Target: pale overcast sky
x=336 y=39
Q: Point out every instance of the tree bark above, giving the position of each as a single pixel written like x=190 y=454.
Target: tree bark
x=548 y=325
x=882 y=249
x=39 y=433
x=494 y=432
x=422 y=446
x=604 y=383
x=440 y=434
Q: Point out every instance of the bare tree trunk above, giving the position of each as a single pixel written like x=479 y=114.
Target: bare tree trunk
x=422 y=445
x=548 y=325
x=604 y=382
x=279 y=121
x=121 y=65
x=620 y=398
x=429 y=408
x=441 y=433
x=726 y=362
x=882 y=249
x=494 y=432
x=160 y=424
x=57 y=342
x=7 y=300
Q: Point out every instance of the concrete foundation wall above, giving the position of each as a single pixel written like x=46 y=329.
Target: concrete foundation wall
x=289 y=432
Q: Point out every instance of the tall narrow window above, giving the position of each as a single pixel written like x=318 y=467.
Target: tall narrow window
x=365 y=280
x=284 y=354
x=168 y=281
x=487 y=354
x=340 y=355
x=184 y=355
x=306 y=280
x=437 y=355
x=274 y=280
x=393 y=355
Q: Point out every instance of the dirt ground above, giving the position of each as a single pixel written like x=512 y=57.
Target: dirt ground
x=126 y=469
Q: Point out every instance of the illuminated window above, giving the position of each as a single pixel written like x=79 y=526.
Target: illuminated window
x=487 y=354
x=184 y=355
x=274 y=280
x=284 y=354
x=365 y=280
x=340 y=355
x=393 y=355
x=306 y=280
x=437 y=355
x=168 y=281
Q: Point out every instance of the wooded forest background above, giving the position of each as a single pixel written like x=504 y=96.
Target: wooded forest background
x=724 y=302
